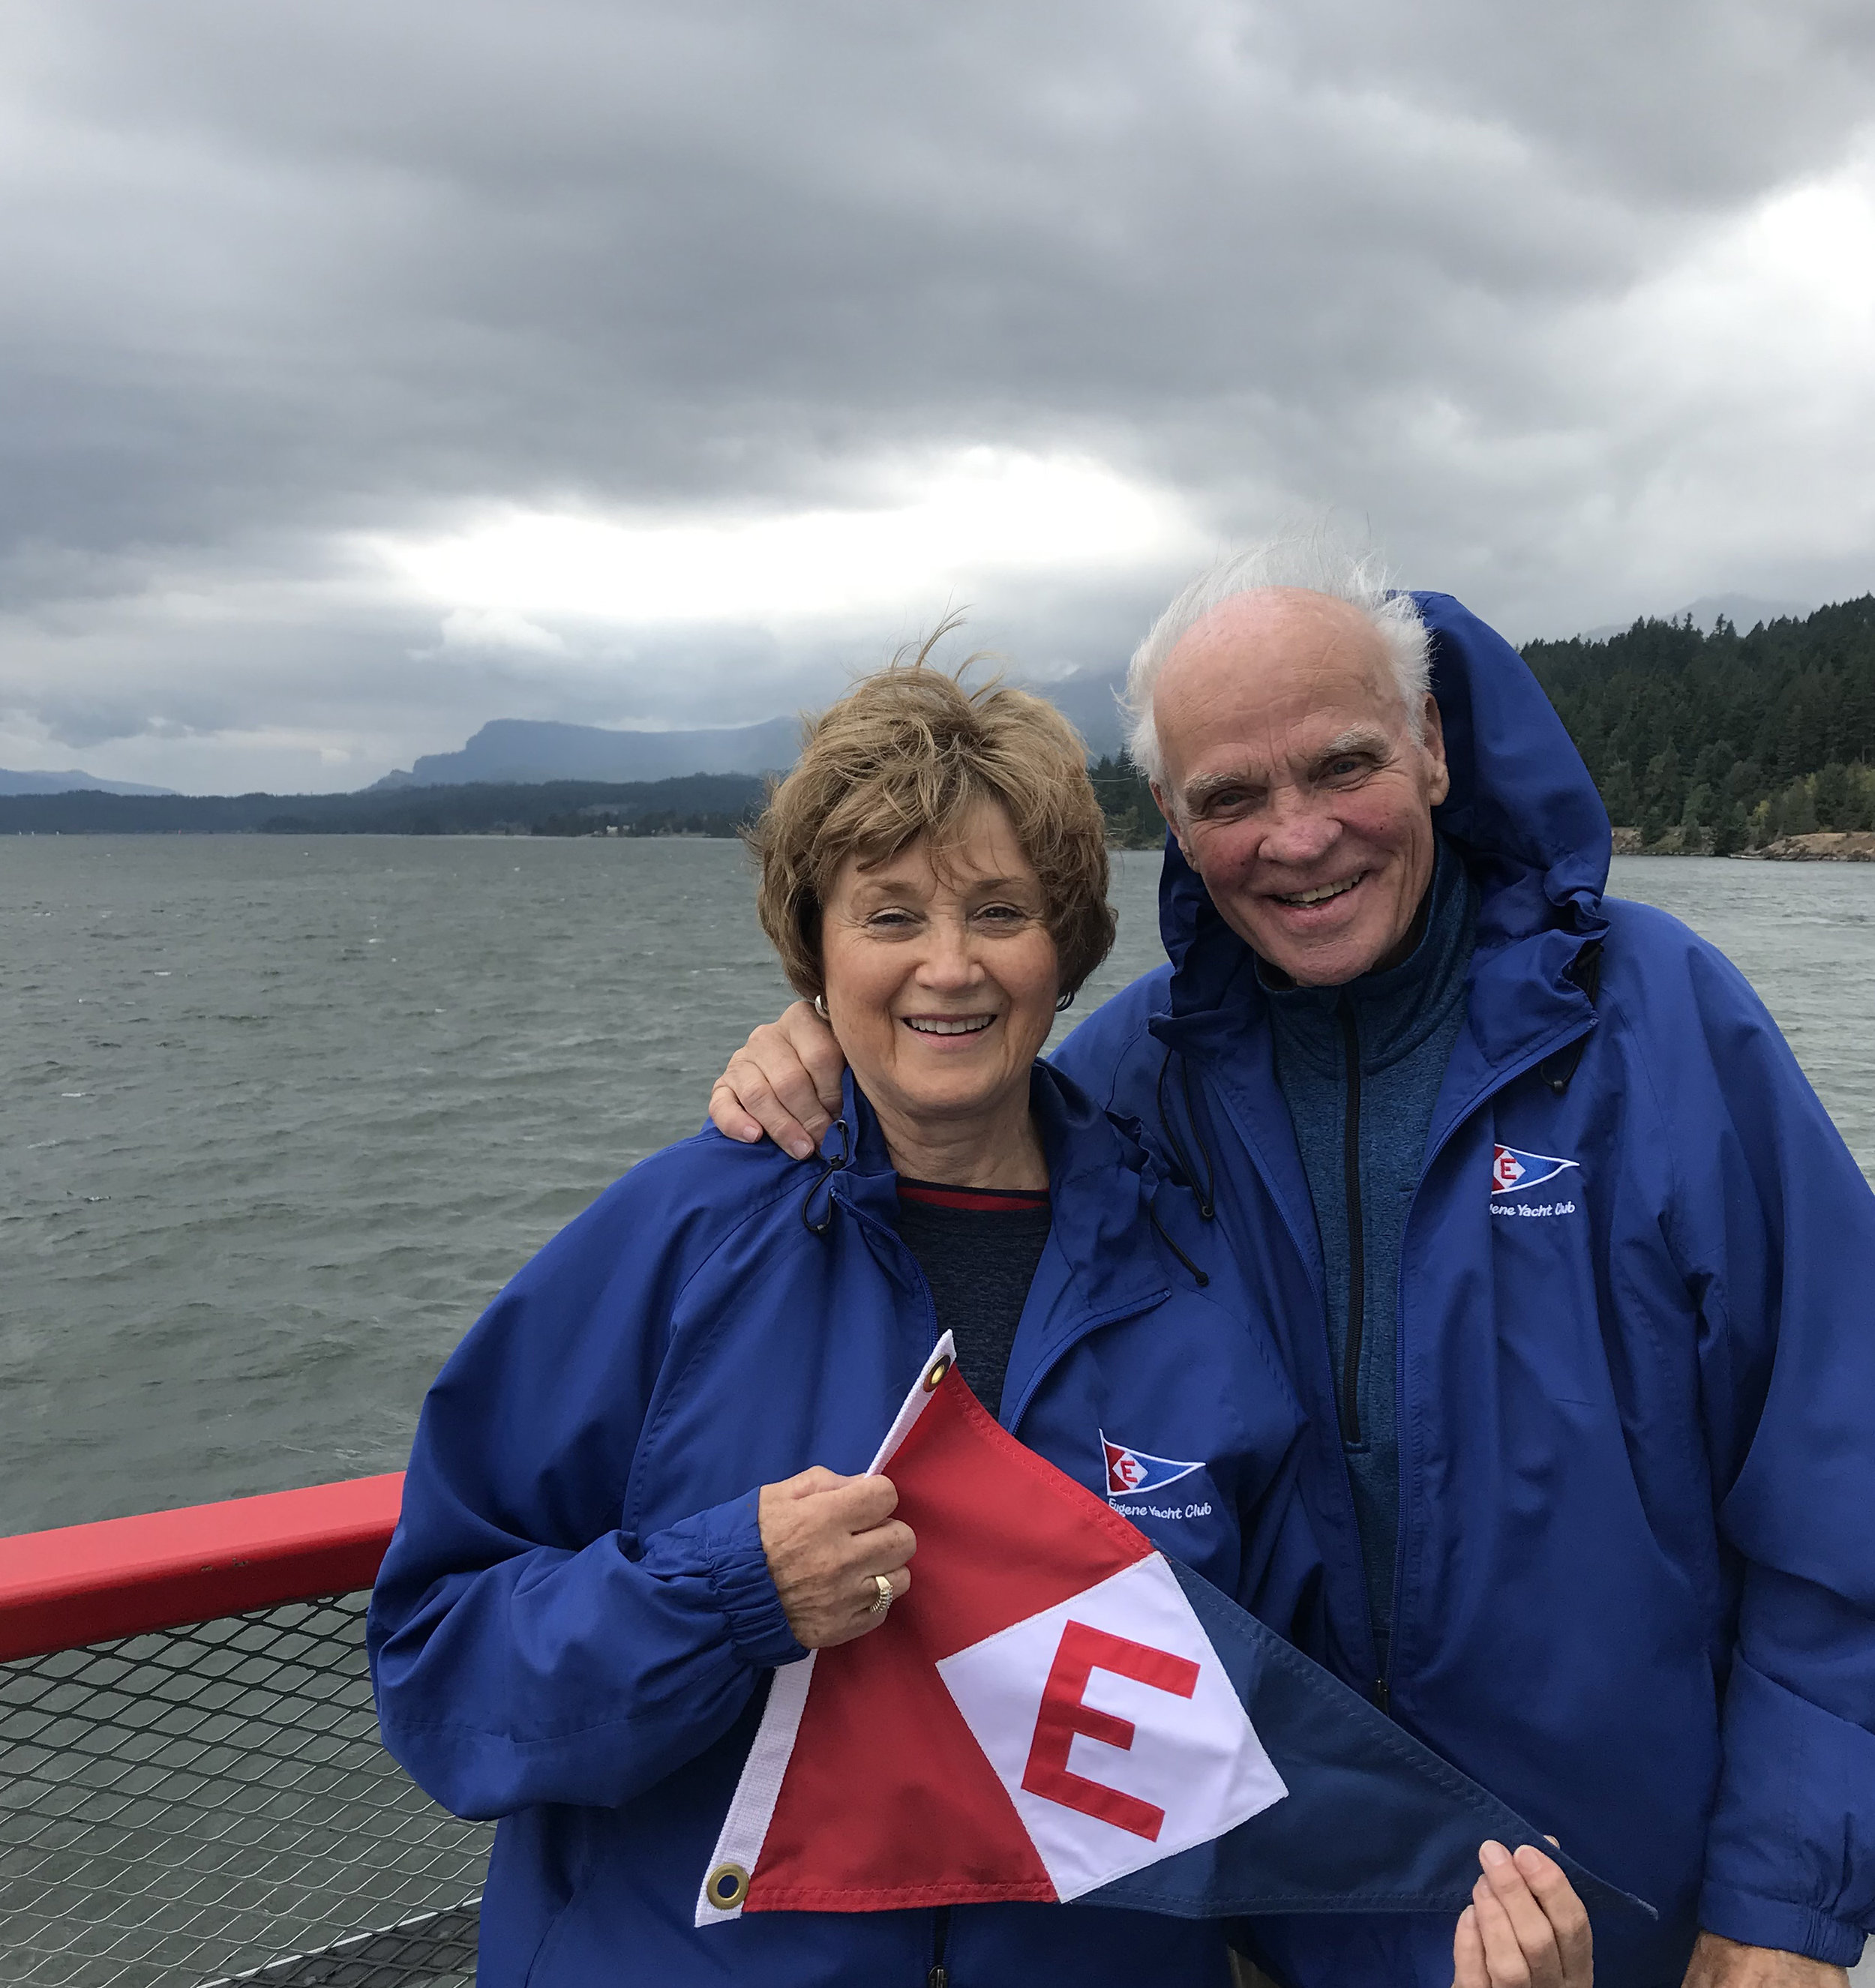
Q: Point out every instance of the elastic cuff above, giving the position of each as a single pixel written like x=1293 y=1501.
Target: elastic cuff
x=745 y=1589
x=1753 y=1920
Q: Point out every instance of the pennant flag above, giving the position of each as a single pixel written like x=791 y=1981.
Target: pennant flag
x=1130 y=1470
x=1056 y=1710
x=1511 y=1169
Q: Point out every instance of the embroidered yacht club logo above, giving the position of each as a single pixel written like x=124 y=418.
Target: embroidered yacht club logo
x=1512 y=1171
x=1130 y=1471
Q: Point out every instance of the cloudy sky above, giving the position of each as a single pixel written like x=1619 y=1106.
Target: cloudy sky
x=369 y=371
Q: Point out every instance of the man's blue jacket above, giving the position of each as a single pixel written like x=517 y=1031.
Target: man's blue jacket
x=1635 y=1592
x=575 y=1625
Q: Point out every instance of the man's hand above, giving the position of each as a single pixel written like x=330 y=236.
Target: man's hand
x=1524 y=1927
x=1724 y=1963
x=785 y=1081
x=825 y=1536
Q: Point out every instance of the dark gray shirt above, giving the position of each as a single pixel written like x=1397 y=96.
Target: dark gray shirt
x=978 y=1247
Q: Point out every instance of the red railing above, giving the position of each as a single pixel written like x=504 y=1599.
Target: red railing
x=191 y=1787
x=118 y=1577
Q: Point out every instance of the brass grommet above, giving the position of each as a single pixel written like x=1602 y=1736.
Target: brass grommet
x=935 y=1372
x=727 y=1887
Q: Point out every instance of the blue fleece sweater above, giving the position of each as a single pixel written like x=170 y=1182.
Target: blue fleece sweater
x=1405 y=1022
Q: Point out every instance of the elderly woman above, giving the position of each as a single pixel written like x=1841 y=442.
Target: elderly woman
x=633 y=1492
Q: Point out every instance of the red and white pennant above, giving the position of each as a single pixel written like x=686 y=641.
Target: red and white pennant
x=1041 y=1715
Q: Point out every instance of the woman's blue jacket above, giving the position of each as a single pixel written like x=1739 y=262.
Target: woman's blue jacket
x=1635 y=1590
x=574 y=1625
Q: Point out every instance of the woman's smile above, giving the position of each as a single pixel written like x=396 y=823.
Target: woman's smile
x=959 y=1028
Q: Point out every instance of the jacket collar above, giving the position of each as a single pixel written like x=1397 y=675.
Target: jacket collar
x=1101 y=1182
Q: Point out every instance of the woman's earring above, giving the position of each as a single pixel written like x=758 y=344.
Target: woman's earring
x=819 y=1007
x=1062 y=1006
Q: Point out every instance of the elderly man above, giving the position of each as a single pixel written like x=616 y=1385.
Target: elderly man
x=1570 y=1270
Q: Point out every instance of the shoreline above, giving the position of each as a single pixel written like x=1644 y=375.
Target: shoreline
x=1829 y=845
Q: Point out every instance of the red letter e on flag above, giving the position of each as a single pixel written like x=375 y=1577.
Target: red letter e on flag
x=1083 y=1651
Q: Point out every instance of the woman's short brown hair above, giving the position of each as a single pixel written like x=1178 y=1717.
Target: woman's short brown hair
x=907 y=752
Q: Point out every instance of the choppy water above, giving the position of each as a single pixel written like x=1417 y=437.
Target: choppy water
x=280 y=1117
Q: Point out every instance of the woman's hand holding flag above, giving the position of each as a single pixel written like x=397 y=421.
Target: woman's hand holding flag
x=830 y=1540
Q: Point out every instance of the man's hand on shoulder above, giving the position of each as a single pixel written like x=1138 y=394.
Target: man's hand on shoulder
x=783 y=1081
x=1724 y=1963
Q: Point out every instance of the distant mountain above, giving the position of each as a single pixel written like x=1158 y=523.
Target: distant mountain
x=69 y=784
x=524 y=752
x=1087 y=698
x=1744 y=611
x=696 y=804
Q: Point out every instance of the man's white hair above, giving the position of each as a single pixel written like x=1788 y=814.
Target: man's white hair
x=1314 y=560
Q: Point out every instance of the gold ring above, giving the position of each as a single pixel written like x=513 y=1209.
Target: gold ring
x=882 y=1600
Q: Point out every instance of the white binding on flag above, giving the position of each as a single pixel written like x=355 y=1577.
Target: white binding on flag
x=744 y=1828
x=914 y=1403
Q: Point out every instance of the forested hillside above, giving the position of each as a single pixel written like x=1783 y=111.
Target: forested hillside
x=1725 y=740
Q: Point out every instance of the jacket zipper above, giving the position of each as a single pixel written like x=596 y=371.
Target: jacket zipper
x=940 y=1976
x=1308 y=1250
x=1357 y=1268
x=1357 y=1263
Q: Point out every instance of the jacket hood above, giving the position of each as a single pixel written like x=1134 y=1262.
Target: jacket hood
x=1522 y=811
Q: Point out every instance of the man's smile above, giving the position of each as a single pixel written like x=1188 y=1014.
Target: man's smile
x=1320 y=894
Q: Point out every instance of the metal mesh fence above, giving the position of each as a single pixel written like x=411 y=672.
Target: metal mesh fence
x=211 y=1804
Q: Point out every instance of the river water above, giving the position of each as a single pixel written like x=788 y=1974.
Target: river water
x=280 y=1116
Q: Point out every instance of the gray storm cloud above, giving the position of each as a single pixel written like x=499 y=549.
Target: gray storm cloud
x=1558 y=303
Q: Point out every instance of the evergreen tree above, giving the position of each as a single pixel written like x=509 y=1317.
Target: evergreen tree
x=1861 y=812
x=1662 y=787
x=1834 y=796
x=1620 y=796
x=1125 y=798
x=1798 y=812
x=1729 y=832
